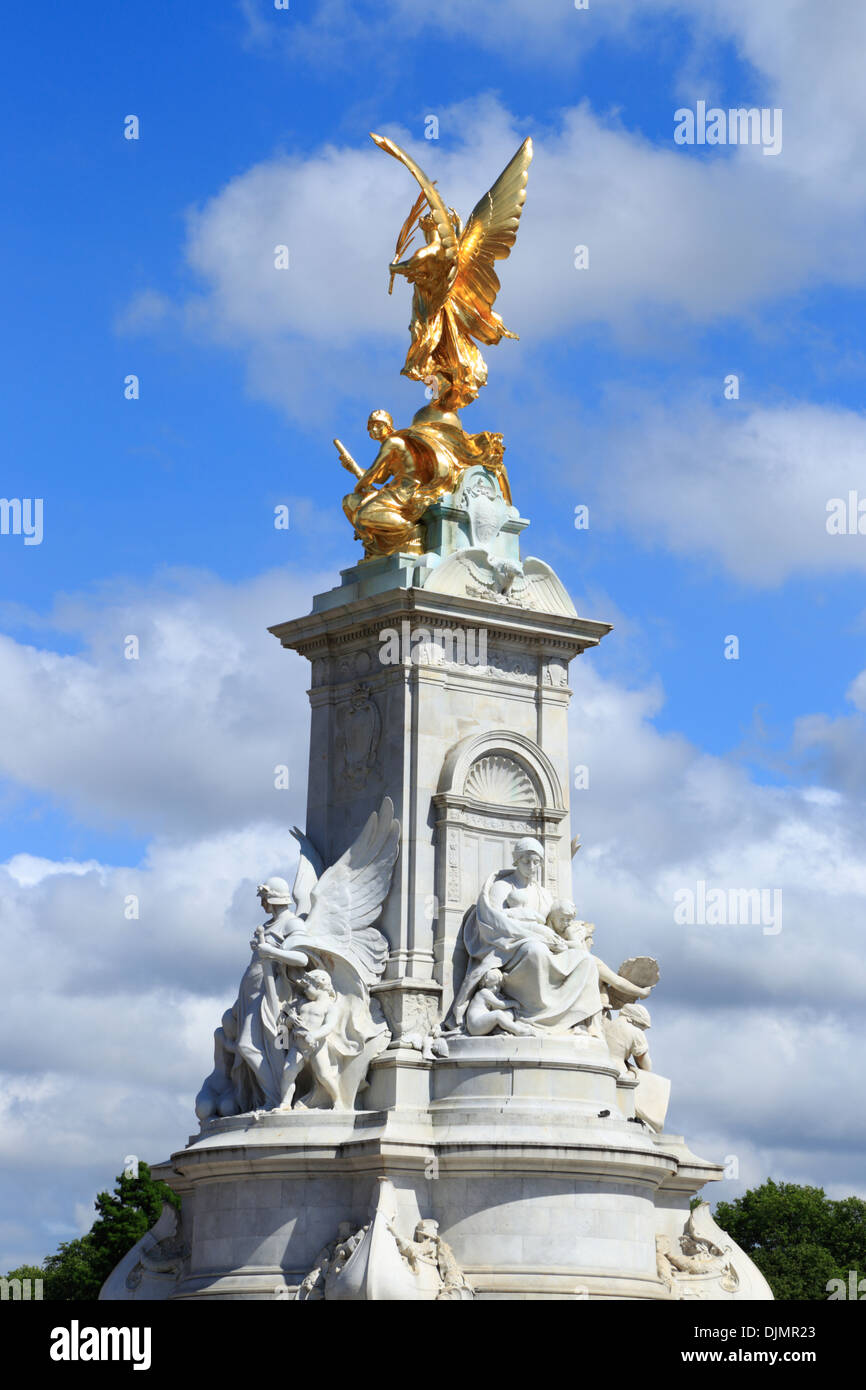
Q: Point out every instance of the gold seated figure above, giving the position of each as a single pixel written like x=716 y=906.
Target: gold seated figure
x=413 y=469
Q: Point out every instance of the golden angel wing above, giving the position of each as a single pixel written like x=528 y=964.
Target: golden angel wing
x=489 y=236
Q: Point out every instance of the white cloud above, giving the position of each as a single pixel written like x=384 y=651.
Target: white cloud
x=673 y=240
x=837 y=746
x=746 y=487
x=660 y=816
x=805 y=58
x=164 y=742
x=29 y=869
x=145 y=311
x=812 y=60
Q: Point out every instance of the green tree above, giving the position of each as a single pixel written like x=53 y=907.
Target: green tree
x=798 y=1237
x=25 y=1272
x=124 y=1216
x=79 y=1268
x=72 y=1273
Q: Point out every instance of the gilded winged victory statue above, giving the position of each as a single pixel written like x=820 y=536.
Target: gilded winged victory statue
x=454 y=289
x=454 y=280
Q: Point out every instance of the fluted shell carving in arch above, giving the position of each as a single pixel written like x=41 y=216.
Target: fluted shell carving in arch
x=500 y=781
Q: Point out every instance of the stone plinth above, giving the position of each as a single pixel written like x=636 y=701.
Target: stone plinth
x=525 y=1149
x=470 y=705
x=516 y=1146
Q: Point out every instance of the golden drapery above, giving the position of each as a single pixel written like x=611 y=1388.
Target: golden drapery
x=421 y=464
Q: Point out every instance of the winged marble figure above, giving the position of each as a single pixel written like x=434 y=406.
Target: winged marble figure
x=302 y=1031
x=340 y=906
x=455 y=283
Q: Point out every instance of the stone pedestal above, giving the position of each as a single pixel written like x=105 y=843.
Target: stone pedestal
x=516 y=1146
x=457 y=709
x=526 y=1150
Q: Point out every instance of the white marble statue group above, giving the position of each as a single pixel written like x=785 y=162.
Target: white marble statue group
x=532 y=970
x=531 y=967
x=304 y=1029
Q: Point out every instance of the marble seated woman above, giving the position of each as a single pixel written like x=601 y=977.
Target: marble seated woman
x=549 y=976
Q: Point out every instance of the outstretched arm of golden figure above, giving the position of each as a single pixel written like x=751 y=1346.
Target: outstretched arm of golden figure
x=438 y=210
x=377 y=472
x=415 y=266
x=347 y=461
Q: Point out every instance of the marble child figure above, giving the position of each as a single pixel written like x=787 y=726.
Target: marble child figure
x=308 y=1024
x=626 y=1041
x=489 y=1009
x=565 y=922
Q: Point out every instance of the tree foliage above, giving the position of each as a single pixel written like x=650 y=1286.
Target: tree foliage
x=79 y=1268
x=798 y=1237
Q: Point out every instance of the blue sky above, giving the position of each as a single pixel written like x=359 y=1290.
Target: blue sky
x=154 y=257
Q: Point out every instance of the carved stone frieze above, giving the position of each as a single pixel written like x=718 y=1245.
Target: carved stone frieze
x=359 y=728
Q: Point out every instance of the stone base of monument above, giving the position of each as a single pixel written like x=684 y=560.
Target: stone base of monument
x=516 y=1146
x=452 y=1165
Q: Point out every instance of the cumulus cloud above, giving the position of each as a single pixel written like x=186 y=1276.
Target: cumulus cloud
x=747 y=1083
x=163 y=742
x=837 y=747
x=794 y=54
x=705 y=239
x=675 y=239
x=665 y=816
x=748 y=488
x=811 y=60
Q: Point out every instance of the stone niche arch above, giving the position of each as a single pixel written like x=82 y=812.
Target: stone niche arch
x=494 y=788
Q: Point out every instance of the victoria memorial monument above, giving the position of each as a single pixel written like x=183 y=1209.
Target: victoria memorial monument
x=431 y=1084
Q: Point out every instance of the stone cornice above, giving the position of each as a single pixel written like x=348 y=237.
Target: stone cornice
x=367 y=616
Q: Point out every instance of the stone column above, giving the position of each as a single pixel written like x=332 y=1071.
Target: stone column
x=456 y=708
